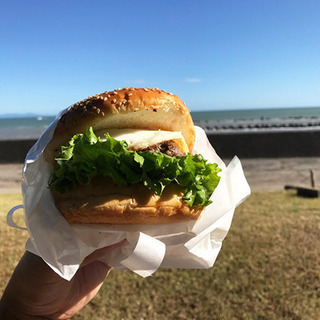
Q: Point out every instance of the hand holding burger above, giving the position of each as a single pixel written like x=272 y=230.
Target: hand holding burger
x=124 y=157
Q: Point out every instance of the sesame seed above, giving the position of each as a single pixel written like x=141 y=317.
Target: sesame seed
x=145 y=89
x=102 y=113
x=130 y=94
x=114 y=100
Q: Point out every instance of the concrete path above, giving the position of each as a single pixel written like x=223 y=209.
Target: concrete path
x=274 y=174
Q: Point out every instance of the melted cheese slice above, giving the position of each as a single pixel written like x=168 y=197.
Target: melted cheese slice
x=141 y=139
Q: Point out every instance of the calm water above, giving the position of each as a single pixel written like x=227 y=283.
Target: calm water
x=32 y=127
x=23 y=128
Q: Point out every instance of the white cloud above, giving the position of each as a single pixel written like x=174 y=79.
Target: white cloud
x=192 y=80
x=139 y=81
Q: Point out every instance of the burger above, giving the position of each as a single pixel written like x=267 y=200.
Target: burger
x=125 y=157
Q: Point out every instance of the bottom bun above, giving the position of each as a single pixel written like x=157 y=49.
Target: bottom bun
x=101 y=201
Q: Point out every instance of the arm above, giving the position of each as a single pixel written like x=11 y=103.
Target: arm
x=36 y=291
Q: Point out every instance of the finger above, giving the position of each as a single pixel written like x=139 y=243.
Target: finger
x=102 y=252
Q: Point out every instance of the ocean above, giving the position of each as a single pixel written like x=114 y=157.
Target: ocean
x=307 y=118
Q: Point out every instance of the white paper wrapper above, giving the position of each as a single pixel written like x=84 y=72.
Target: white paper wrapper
x=194 y=244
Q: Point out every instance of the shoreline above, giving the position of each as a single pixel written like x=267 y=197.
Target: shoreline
x=21 y=130
x=260 y=124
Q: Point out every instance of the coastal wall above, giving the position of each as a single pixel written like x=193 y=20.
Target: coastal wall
x=267 y=144
x=272 y=144
x=14 y=151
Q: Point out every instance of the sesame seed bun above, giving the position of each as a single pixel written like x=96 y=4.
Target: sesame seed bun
x=132 y=108
x=102 y=201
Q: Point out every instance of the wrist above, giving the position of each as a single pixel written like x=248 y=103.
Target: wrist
x=5 y=311
x=9 y=310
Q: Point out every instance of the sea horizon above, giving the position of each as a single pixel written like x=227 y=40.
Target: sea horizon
x=219 y=113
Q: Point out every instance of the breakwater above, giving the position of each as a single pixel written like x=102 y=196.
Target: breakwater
x=242 y=143
x=267 y=144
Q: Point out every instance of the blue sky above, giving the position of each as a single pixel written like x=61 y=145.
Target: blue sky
x=215 y=55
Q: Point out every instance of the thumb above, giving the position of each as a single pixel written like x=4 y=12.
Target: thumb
x=102 y=252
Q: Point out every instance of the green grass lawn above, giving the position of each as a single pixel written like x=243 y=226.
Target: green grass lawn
x=268 y=268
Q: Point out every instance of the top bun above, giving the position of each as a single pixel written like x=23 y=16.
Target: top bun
x=127 y=108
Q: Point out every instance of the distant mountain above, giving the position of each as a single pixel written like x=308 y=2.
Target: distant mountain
x=18 y=115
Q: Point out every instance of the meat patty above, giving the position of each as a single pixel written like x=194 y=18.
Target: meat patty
x=169 y=148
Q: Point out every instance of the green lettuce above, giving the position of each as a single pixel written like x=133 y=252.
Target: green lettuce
x=86 y=156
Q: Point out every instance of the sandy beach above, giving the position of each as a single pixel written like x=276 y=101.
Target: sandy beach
x=262 y=174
